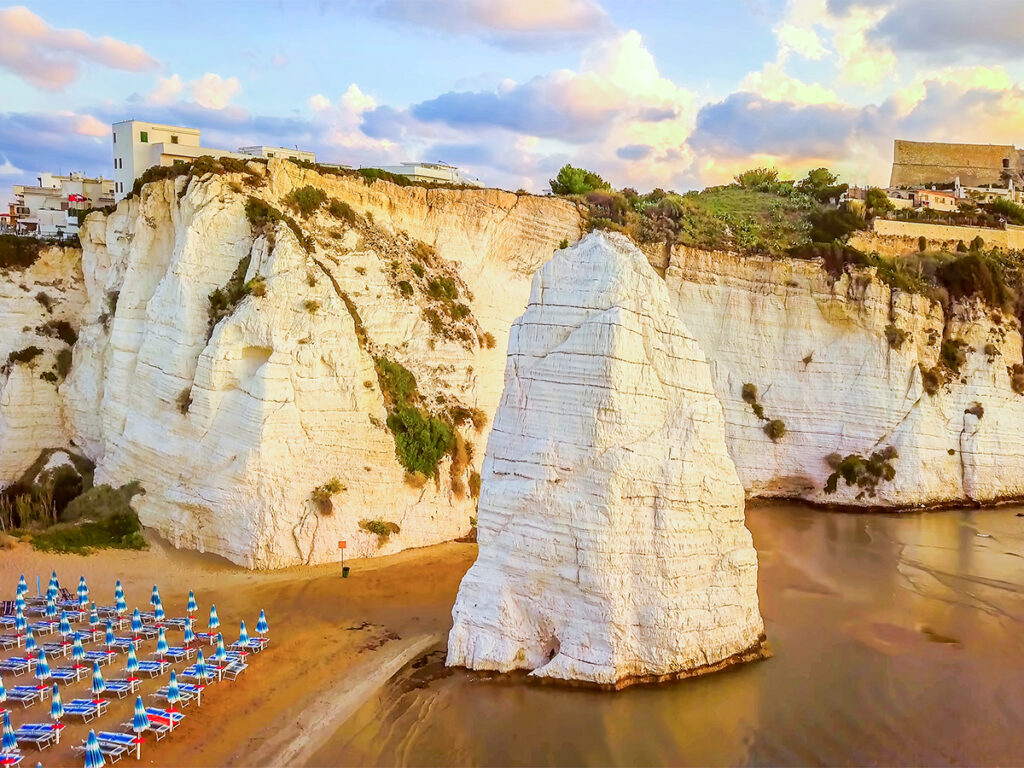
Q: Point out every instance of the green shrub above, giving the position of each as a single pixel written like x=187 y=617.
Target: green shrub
x=224 y=301
x=17 y=252
x=866 y=474
x=262 y=215
x=749 y=393
x=418 y=270
x=339 y=209
x=932 y=379
x=563 y=244
x=775 y=429
x=1011 y=210
x=952 y=354
x=576 y=181
x=109 y=523
x=382 y=529
x=311 y=305
x=420 y=440
x=474 y=484
x=306 y=200
x=405 y=287
x=397 y=382
x=49 y=376
x=442 y=288
x=975 y=409
x=761 y=179
x=44 y=298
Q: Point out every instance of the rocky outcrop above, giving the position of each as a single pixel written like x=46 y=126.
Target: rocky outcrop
x=611 y=535
x=851 y=368
x=40 y=309
x=262 y=434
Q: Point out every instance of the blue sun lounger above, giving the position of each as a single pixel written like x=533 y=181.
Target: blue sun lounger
x=56 y=649
x=111 y=750
x=17 y=665
x=25 y=695
x=180 y=653
x=39 y=735
x=189 y=673
x=99 y=657
x=124 y=643
x=153 y=668
x=188 y=693
x=10 y=758
x=9 y=641
x=120 y=687
x=83 y=708
x=41 y=628
x=67 y=675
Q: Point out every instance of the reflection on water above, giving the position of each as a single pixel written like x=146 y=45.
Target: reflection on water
x=897 y=639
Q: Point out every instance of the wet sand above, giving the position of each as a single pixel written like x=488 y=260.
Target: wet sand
x=327 y=634
x=898 y=639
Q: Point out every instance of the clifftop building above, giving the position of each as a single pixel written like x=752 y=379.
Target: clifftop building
x=430 y=173
x=920 y=163
x=51 y=208
x=138 y=146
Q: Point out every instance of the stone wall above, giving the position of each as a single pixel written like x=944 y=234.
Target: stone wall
x=924 y=162
x=1011 y=238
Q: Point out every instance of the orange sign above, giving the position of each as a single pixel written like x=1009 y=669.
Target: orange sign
x=342 y=544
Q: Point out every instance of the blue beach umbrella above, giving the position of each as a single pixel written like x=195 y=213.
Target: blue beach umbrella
x=3 y=691
x=51 y=608
x=140 y=722
x=173 y=692
x=193 y=606
x=10 y=741
x=132 y=665
x=93 y=755
x=22 y=585
x=42 y=672
x=19 y=602
x=190 y=636
x=262 y=627
x=221 y=654
x=99 y=685
x=118 y=589
x=30 y=642
x=53 y=587
x=65 y=625
x=120 y=606
x=20 y=623
x=161 y=644
x=243 y=635
x=78 y=652
x=56 y=709
x=136 y=623
x=108 y=638
x=214 y=618
x=83 y=593
x=155 y=597
x=51 y=592
x=94 y=617
x=158 y=612
x=201 y=671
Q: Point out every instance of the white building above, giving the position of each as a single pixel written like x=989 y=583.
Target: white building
x=51 y=208
x=430 y=173
x=138 y=146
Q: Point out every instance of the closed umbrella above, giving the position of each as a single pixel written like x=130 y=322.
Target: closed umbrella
x=78 y=652
x=108 y=638
x=19 y=602
x=53 y=587
x=42 y=672
x=193 y=606
x=190 y=636
x=20 y=624
x=262 y=628
x=118 y=590
x=161 y=644
x=173 y=694
x=214 y=618
x=51 y=608
x=93 y=755
x=10 y=741
x=99 y=685
x=202 y=673
x=83 y=593
x=140 y=722
x=94 y=618
x=3 y=691
x=158 y=612
x=136 y=623
x=131 y=667
x=65 y=627
x=120 y=606
x=56 y=709
x=155 y=597
x=220 y=655
x=30 y=642
x=22 y=585
x=243 y=637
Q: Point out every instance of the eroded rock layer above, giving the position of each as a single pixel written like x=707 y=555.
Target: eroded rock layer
x=611 y=534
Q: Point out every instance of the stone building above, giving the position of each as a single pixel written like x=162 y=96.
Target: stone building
x=919 y=163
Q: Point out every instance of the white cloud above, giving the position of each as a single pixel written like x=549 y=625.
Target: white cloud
x=7 y=169
x=773 y=83
x=210 y=91
x=51 y=58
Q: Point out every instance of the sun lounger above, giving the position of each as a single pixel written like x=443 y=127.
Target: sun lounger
x=56 y=649
x=35 y=735
x=25 y=695
x=152 y=668
x=234 y=669
x=186 y=695
x=66 y=675
x=44 y=690
x=17 y=665
x=100 y=705
x=6 y=621
x=83 y=708
x=124 y=643
x=206 y=637
x=178 y=653
x=164 y=715
x=189 y=673
x=10 y=758
x=41 y=628
x=159 y=729
x=254 y=644
x=99 y=657
x=111 y=750
x=120 y=688
x=148 y=632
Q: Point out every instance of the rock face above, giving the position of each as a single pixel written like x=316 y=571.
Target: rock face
x=612 y=543
x=846 y=365
x=263 y=435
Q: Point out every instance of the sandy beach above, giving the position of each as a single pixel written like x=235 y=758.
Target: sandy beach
x=333 y=642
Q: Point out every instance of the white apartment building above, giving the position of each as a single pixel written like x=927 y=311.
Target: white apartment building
x=51 y=208
x=138 y=146
x=430 y=173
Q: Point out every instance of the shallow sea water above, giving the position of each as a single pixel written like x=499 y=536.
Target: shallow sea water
x=897 y=639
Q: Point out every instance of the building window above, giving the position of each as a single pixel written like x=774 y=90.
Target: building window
x=144 y=137
x=174 y=139
x=1006 y=162
x=270 y=154
x=115 y=137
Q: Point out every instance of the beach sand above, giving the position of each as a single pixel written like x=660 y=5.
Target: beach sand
x=333 y=642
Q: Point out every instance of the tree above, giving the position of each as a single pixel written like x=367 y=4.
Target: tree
x=576 y=181
x=878 y=202
x=762 y=179
x=820 y=184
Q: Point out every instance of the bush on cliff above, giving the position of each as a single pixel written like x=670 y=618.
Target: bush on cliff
x=421 y=440
x=223 y=301
x=18 y=252
x=1011 y=210
x=576 y=181
x=306 y=200
x=109 y=523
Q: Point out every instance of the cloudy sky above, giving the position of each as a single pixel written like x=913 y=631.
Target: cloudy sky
x=672 y=93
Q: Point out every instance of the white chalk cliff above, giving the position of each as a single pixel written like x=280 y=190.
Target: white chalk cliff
x=611 y=533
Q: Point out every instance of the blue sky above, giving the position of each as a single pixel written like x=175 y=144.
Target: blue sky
x=678 y=94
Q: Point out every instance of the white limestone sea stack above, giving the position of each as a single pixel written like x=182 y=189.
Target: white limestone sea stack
x=612 y=545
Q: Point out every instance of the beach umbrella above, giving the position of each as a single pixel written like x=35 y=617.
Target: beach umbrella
x=19 y=602
x=94 y=617
x=155 y=597
x=53 y=587
x=78 y=652
x=140 y=722
x=22 y=585
x=83 y=593
x=51 y=608
x=20 y=623
x=243 y=635
x=118 y=589
x=201 y=671
x=220 y=655
x=42 y=672
x=65 y=625
x=158 y=612
x=93 y=755
x=132 y=665
x=30 y=642
x=136 y=623
x=214 y=618
x=10 y=741
x=120 y=606
x=56 y=709
x=173 y=693
x=3 y=691
x=262 y=627
x=99 y=685
x=161 y=644
x=190 y=636
x=108 y=638
x=193 y=606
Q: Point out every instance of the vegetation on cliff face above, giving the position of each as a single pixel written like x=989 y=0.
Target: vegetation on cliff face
x=862 y=473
